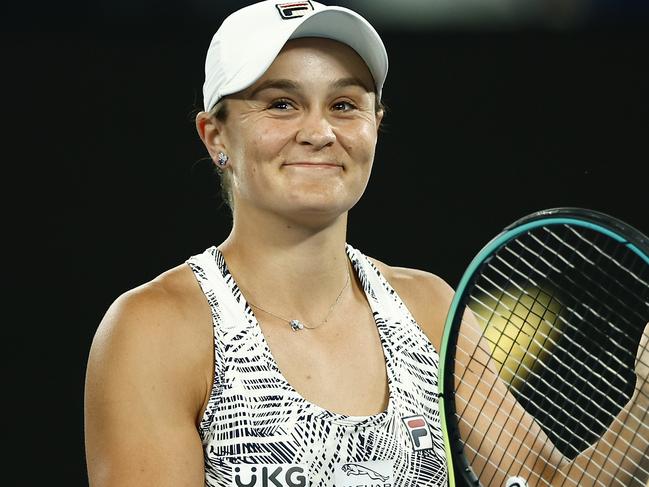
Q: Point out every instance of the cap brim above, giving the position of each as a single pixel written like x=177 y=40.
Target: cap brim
x=348 y=27
x=336 y=23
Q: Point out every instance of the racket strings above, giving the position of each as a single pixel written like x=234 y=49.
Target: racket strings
x=511 y=437
x=484 y=370
x=618 y=307
x=592 y=283
x=503 y=431
x=529 y=311
x=602 y=425
x=641 y=469
x=488 y=459
x=482 y=434
x=627 y=269
x=505 y=467
x=559 y=392
x=533 y=281
x=590 y=308
x=546 y=337
x=498 y=467
x=475 y=428
x=592 y=247
x=522 y=395
x=608 y=277
x=585 y=256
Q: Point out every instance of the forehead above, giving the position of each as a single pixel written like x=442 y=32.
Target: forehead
x=318 y=59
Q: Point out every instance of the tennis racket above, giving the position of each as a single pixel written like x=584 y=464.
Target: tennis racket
x=544 y=362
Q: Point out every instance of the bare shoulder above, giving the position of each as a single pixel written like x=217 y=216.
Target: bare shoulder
x=159 y=331
x=426 y=295
x=167 y=309
x=147 y=378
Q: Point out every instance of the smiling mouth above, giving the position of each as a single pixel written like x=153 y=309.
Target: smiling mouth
x=315 y=165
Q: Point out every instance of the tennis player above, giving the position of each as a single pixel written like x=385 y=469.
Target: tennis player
x=282 y=356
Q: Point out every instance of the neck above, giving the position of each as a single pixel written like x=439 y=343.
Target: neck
x=289 y=269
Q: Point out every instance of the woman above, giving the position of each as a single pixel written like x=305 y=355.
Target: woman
x=282 y=356
x=295 y=145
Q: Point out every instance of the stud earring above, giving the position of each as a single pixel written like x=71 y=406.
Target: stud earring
x=222 y=159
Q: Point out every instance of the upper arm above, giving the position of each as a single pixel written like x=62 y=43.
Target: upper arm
x=143 y=390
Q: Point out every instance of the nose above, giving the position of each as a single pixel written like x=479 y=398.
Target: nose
x=315 y=130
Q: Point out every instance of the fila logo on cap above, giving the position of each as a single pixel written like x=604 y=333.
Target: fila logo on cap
x=294 y=10
x=418 y=432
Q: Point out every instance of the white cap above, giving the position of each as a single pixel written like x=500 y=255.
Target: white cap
x=250 y=39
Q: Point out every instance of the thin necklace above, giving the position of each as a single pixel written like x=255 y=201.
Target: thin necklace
x=297 y=325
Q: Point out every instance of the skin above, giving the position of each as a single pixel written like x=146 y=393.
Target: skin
x=301 y=145
x=150 y=368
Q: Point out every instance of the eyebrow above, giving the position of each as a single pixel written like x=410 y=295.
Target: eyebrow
x=290 y=85
x=351 y=81
x=278 y=84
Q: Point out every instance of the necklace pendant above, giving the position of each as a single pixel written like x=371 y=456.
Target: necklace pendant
x=296 y=325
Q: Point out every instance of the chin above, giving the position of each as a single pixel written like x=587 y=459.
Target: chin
x=323 y=201
x=316 y=214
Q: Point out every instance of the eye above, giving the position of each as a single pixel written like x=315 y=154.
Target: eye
x=281 y=104
x=344 y=106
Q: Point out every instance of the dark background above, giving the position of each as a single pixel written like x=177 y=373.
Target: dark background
x=106 y=186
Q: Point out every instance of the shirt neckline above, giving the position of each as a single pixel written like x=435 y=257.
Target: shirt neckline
x=318 y=411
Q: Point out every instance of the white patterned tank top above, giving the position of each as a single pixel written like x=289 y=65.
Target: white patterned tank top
x=257 y=430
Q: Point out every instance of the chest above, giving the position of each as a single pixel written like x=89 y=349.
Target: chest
x=341 y=368
x=287 y=398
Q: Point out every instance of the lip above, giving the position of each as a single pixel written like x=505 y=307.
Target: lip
x=314 y=165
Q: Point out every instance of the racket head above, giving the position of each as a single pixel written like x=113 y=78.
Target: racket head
x=503 y=290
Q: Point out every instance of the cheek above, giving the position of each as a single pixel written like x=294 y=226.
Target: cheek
x=360 y=143
x=264 y=144
x=254 y=150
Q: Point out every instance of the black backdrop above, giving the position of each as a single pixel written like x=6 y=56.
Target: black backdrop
x=105 y=187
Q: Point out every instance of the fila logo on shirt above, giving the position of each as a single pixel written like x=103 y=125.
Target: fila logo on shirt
x=418 y=432
x=269 y=475
x=293 y=10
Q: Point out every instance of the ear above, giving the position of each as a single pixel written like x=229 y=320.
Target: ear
x=379 y=118
x=210 y=130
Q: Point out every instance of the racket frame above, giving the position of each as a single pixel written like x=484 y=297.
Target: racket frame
x=635 y=240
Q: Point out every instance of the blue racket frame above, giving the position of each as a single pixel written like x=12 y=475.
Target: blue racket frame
x=633 y=239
